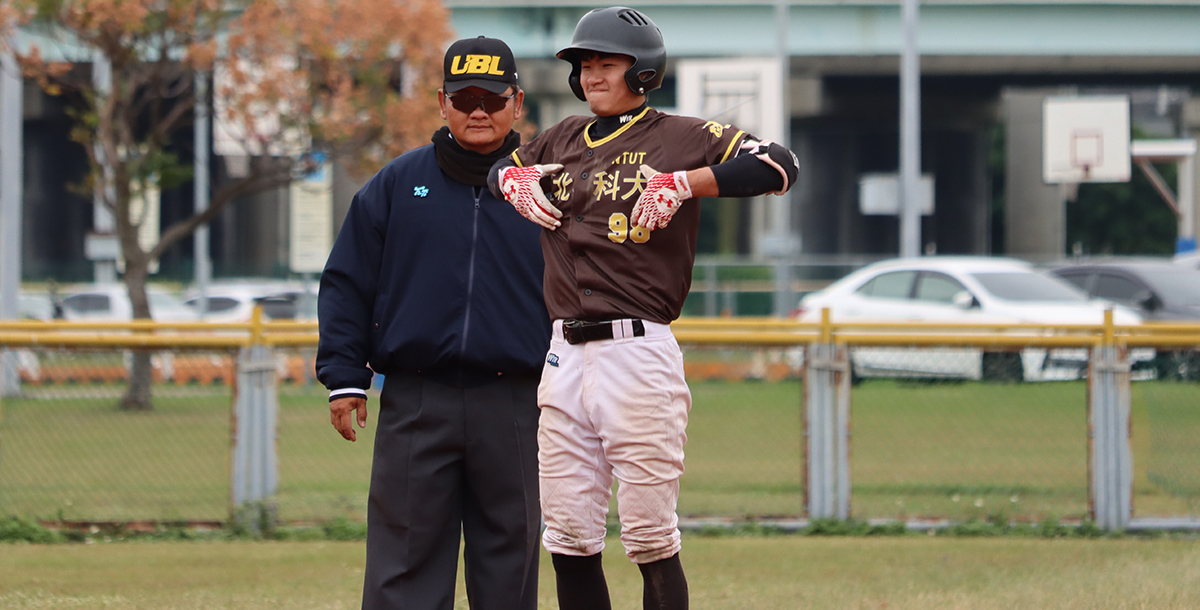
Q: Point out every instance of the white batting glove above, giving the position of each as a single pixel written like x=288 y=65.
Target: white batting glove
x=660 y=198
x=521 y=189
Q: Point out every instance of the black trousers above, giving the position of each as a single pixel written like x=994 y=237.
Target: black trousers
x=448 y=460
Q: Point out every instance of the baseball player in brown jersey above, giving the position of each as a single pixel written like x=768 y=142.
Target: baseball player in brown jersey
x=615 y=195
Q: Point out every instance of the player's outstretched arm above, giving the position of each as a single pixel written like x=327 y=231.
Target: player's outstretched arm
x=520 y=187
x=760 y=167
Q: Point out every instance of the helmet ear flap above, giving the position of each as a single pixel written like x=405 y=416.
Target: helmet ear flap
x=639 y=80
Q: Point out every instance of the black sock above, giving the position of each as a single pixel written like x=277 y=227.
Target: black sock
x=664 y=585
x=580 y=582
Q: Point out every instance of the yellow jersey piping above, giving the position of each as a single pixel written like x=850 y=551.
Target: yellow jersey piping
x=516 y=159
x=730 y=149
x=609 y=137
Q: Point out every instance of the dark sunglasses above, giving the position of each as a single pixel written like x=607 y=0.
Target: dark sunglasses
x=468 y=103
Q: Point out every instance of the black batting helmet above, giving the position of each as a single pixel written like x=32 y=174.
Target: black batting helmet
x=622 y=31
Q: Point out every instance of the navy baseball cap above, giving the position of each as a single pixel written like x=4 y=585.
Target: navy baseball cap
x=481 y=62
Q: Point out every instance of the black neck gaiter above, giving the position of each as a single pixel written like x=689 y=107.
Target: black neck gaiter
x=606 y=125
x=465 y=166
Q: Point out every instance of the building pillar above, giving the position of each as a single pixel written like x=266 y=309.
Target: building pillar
x=1035 y=213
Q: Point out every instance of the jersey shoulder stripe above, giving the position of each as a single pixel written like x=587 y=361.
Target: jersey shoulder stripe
x=732 y=143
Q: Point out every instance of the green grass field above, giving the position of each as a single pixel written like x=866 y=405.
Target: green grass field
x=957 y=450
x=916 y=572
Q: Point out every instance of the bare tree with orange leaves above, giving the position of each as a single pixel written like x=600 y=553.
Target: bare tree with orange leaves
x=301 y=80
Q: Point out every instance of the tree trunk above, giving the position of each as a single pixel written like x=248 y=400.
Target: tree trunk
x=137 y=396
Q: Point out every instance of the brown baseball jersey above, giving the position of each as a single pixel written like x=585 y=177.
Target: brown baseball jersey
x=597 y=266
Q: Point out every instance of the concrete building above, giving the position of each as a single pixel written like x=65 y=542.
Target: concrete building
x=986 y=66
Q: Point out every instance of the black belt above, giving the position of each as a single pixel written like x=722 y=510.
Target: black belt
x=579 y=331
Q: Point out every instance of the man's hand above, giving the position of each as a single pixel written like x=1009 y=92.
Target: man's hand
x=341 y=412
x=660 y=198
x=521 y=189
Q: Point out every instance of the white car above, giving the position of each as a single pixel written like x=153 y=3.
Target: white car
x=110 y=303
x=35 y=306
x=1191 y=259
x=298 y=305
x=234 y=301
x=961 y=289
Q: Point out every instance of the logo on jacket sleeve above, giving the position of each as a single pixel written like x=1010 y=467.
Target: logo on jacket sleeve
x=420 y=191
x=552 y=359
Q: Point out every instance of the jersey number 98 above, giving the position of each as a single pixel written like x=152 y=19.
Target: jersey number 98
x=619 y=231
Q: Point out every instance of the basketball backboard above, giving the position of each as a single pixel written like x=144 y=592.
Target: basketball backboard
x=1085 y=139
x=745 y=92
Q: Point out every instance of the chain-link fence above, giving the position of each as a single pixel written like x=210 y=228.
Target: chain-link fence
x=744 y=454
x=69 y=451
x=1166 y=437
x=932 y=439
x=321 y=475
x=921 y=432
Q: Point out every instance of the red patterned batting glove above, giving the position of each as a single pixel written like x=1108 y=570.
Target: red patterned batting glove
x=660 y=198
x=521 y=189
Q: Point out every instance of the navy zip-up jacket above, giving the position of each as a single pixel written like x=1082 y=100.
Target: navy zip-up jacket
x=430 y=275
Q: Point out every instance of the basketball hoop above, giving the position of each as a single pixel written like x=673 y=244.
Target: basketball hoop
x=1085 y=139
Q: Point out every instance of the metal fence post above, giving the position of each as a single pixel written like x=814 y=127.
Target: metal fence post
x=1108 y=413
x=815 y=406
x=255 y=409
x=842 y=423
x=241 y=429
x=270 y=438
x=827 y=419
x=255 y=463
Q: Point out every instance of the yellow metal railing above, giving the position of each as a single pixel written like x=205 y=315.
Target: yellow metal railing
x=713 y=331
x=775 y=331
x=150 y=334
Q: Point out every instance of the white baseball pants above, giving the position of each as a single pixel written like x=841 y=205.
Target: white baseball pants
x=613 y=407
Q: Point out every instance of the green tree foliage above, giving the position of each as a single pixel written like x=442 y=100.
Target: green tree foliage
x=1123 y=218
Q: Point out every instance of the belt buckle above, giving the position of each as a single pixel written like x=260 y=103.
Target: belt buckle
x=573 y=331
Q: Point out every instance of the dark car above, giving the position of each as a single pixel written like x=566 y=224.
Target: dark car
x=1160 y=291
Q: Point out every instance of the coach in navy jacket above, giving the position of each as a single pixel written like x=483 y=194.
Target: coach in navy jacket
x=438 y=286
x=430 y=274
